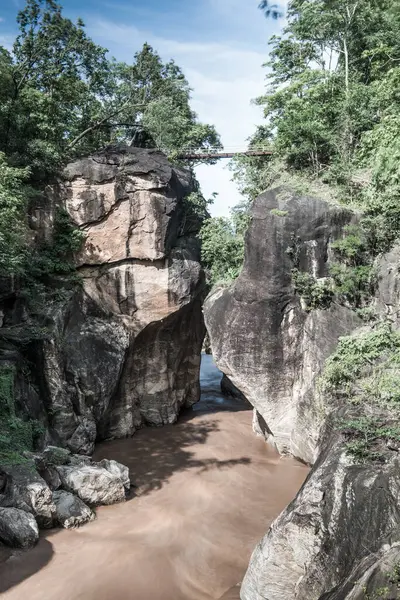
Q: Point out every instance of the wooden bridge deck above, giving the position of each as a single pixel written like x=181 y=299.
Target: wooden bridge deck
x=217 y=155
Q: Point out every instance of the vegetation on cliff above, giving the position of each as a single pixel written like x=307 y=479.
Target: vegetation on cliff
x=61 y=97
x=332 y=119
x=332 y=111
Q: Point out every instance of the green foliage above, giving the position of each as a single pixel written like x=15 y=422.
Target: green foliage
x=316 y=293
x=223 y=245
x=195 y=207
x=365 y=371
x=368 y=437
x=16 y=435
x=358 y=353
x=57 y=456
x=13 y=202
x=61 y=97
x=56 y=256
x=352 y=247
x=353 y=285
x=278 y=213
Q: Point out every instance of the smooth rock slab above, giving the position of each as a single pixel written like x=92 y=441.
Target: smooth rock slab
x=94 y=485
x=18 y=529
x=70 y=510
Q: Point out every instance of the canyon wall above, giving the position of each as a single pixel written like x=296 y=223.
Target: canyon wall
x=262 y=337
x=123 y=344
x=340 y=537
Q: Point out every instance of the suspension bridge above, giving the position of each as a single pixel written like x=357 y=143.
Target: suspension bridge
x=196 y=154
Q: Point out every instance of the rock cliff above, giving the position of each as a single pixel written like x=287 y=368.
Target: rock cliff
x=123 y=348
x=340 y=537
x=262 y=337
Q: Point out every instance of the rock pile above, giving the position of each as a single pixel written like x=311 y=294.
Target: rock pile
x=56 y=489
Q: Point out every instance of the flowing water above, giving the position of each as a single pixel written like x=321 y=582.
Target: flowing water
x=207 y=489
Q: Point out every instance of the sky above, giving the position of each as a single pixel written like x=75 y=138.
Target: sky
x=220 y=45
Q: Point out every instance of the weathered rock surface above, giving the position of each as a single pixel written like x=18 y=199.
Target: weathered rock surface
x=342 y=516
x=25 y=489
x=70 y=510
x=262 y=338
x=229 y=389
x=92 y=484
x=53 y=488
x=339 y=539
x=117 y=469
x=388 y=293
x=125 y=346
x=18 y=528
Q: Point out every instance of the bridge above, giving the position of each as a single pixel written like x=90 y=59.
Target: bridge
x=195 y=154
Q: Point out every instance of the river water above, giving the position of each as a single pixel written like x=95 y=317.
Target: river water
x=206 y=490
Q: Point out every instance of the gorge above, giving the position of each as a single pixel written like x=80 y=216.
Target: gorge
x=124 y=353
x=196 y=406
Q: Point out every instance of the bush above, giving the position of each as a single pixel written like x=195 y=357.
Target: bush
x=316 y=293
x=17 y=435
x=353 y=285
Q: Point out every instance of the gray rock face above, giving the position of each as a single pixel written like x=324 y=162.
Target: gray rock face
x=18 y=528
x=117 y=469
x=125 y=347
x=262 y=338
x=25 y=489
x=71 y=511
x=229 y=389
x=340 y=538
x=92 y=484
x=342 y=516
x=388 y=293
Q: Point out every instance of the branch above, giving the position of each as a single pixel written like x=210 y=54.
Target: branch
x=100 y=123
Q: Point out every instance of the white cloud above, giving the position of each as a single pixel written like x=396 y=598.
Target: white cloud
x=225 y=77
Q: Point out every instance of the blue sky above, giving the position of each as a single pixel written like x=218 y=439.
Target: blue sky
x=220 y=45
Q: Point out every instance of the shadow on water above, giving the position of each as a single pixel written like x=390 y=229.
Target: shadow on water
x=155 y=454
x=159 y=453
x=16 y=568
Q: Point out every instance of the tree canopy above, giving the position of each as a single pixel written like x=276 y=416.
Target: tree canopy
x=332 y=111
x=61 y=96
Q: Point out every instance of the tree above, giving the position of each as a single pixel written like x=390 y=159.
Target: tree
x=61 y=97
x=271 y=10
x=13 y=203
x=223 y=245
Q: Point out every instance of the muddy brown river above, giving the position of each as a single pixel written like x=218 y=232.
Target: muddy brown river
x=207 y=489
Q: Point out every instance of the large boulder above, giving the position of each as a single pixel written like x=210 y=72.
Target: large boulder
x=119 y=470
x=18 y=529
x=125 y=346
x=345 y=515
x=71 y=512
x=92 y=484
x=339 y=539
x=262 y=336
x=25 y=489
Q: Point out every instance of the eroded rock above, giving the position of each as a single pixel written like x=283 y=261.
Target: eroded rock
x=92 y=484
x=117 y=469
x=18 y=529
x=70 y=510
x=125 y=347
x=25 y=489
x=262 y=337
